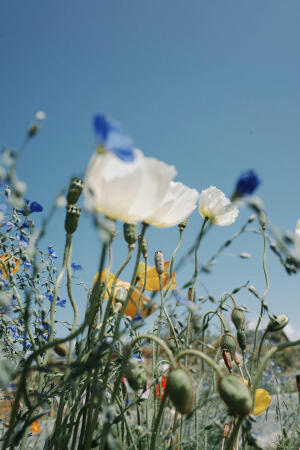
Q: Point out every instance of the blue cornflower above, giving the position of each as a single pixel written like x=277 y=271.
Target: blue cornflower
x=27 y=265
x=24 y=225
x=52 y=252
x=22 y=240
x=59 y=302
x=180 y=298
x=135 y=356
x=35 y=207
x=137 y=318
x=247 y=183
x=26 y=345
x=111 y=138
x=76 y=266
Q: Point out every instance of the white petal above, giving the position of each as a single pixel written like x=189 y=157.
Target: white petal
x=216 y=207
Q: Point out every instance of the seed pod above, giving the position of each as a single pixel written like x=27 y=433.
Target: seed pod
x=121 y=295
x=182 y=225
x=228 y=342
x=238 y=318
x=227 y=360
x=159 y=262
x=277 y=322
x=135 y=374
x=72 y=218
x=226 y=430
x=237 y=359
x=74 y=191
x=61 y=349
x=144 y=246
x=180 y=390
x=235 y=394
x=242 y=339
x=130 y=233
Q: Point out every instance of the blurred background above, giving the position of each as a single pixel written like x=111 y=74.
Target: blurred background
x=211 y=87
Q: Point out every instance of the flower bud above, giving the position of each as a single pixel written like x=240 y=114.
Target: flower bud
x=34 y=128
x=180 y=390
x=228 y=342
x=121 y=295
x=130 y=233
x=182 y=225
x=226 y=430
x=238 y=318
x=144 y=246
x=72 y=218
x=277 y=322
x=235 y=394
x=242 y=339
x=135 y=374
x=74 y=191
x=61 y=349
x=159 y=262
x=227 y=360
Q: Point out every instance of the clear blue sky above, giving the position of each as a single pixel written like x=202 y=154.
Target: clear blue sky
x=209 y=86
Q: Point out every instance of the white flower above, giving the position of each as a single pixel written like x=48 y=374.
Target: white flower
x=214 y=206
x=175 y=206
x=297 y=237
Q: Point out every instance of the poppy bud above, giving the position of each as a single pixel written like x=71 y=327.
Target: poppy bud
x=135 y=374
x=33 y=129
x=227 y=360
x=121 y=295
x=242 y=339
x=180 y=390
x=228 y=342
x=74 y=191
x=72 y=218
x=235 y=394
x=238 y=318
x=159 y=262
x=144 y=246
x=130 y=233
x=61 y=349
x=277 y=322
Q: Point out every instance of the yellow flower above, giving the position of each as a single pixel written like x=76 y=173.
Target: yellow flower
x=262 y=400
x=132 y=307
x=6 y=258
x=152 y=282
x=35 y=427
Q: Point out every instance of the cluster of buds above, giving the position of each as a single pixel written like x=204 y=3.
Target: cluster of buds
x=238 y=319
x=73 y=211
x=179 y=388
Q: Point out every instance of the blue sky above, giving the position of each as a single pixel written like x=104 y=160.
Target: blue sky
x=209 y=86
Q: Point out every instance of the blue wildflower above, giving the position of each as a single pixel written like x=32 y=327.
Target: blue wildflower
x=137 y=318
x=59 y=302
x=247 y=183
x=135 y=356
x=35 y=207
x=180 y=298
x=22 y=240
x=52 y=252
x=111 y=138
x=27 y=265
x=76 y=266
x=26 y=345
x=24 y=225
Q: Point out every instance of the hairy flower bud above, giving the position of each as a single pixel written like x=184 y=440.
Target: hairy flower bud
x=235 y=394
x=159 y=262
x=238 y=318
x=130 y=233
x=61 y=349
x=277 y=322
x=228 y=342
x=121 y=295
x=242 y=339
x=144 y=246
x=180 y=390
x=135 y=374
x=74 y=191
x=72 y=218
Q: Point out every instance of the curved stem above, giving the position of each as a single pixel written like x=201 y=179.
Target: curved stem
x=203 y=331
x=202 y=356
x=172 y=261
x=166 y=313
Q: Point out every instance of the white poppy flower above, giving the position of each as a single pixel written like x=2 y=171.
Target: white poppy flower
x=175 y=206
x=214 y=206
x=297 y=237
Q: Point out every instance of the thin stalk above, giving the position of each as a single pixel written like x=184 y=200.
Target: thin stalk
x=162 y=296
x=157 y=422
x=234 y=434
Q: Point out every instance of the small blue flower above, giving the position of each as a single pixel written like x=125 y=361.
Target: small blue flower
x=247 y=183
x=137 y=318
x=59 y=302
x=180 y=298
x=76 y=266
x=26 y=345
x=111 y=138
x=35 y=207
x=52 y=252
x=135 y=356
x=24 y=225
x=22 y=240
x=27 y=265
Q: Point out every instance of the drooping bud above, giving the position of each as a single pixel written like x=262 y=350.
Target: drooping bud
x=130 y=233
x=72 y=218
x=74 y=191
x=228 y=342
x=182 y=225
x=121 y=295
x=238 y=318
x=144 y=246
x=242 y=339
x=179 y=388
x=227 y=360
x=159 y=262
x=61 y=349
x=135 y=374
x=277 y=322
x=235 y=394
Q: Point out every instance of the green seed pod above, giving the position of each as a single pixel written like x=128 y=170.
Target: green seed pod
x=228 y=343
x=159 y=262
x=74 y=191
x=130 y=233
x=277 y=323
x=61 y=349
x=144 y=246
x=235 y=394
x=121 y=295
x=72 y=218
x=180 y=390
x=182 y=225
x=242 y=339
x=238 y=318
x=135 y=374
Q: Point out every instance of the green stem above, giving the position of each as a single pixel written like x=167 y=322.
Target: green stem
x=157 y=422
x=201 y=356
x=234 y=434
x=166 y=313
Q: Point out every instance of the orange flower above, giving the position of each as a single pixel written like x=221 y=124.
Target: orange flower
x=152 y=282
x=35 y=427
x=6 y=258
x=160 y=387
x=132 y=307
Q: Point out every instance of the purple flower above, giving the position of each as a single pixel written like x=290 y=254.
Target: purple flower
x=111 y=138
x=52 y=252
x=247 y=183
x=76 y=266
